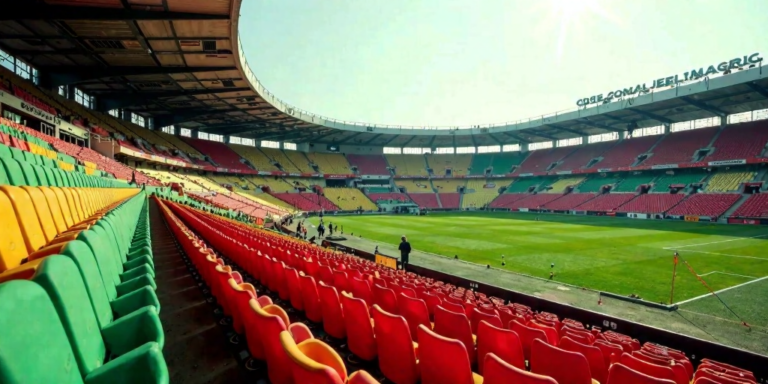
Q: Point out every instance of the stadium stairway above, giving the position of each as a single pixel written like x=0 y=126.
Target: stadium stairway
x=734 y=207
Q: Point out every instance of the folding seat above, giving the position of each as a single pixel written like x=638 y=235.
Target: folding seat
x=582 y=337
x=453 y=307
x=527 y=336
x=13 y=250
x=40 y=352
x=477 y=316
x=432 y=301
x=5 y=151
x=361 y=377
x=42 y=178
x=564 y=366
x=455 y=325
x=415 y=313
x=29 y=174
x=719 y=367
x=397 y=353
x=13 y=171
x=278 y=279
x=594 y=355
x=294 y=288
x=498 y=371
x=503 y=343
x=621 y=374
x=660 y=371
x=681 y=375
x=361 y=290
x=385 y=298
x=340 y=281
x=444 y=360
x=718 y=377
x=313 y=361
x=311 y=299
x=550 y=332
x=269 y=322
x=357 y=320
x=240 y=296
x=3 y=175
x=325 y=274
x=611 y=352
x=333 y=317
x=18 y=155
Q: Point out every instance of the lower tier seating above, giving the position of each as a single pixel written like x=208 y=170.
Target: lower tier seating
x=535 y=201
x=569 y=202
x=652 y=203
x=755 y=206
x=701 y=204
x=376 y=197
x=311 y=202
x=607 y=202
x=424 y=200
x=506 y=200
x=450 y=200
x=349 y=199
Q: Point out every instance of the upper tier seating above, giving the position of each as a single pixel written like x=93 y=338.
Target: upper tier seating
x=521 y=185
x=448 y=185
x=606 y=202
x=713 y=205
x=631 y=182
x=569 y=201
x=330 y=163
x=178 y=143
x=220 y=153
x=307 y=201
x=535 y=201
x=285 y=162
x=728 y=181
x=375 y=197
x=583 y=154
x=458 y=164
x=300 y=160
x=561 y=185
x=349 y=199
x=503 y=162
x=507 y=199
x=540 y=160
x=755 y=206
x=425 y=200
x=652 y=203
x=740 y=141
x=595 y=182
x=382 y=189
x=369 y=164
x=276 y=184
x=415 y=186
x=625 y=153
x=257 y=158
x=450 y=200
x=679 y=147
x=408 y=165
x=679 y=177
x=481 y=195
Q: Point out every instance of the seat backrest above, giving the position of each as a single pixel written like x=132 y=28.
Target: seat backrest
x=294 y=288
x=325 y=274
x=26 y=217
x=503 y=343
x=340 y=281
x=333 y=317
x=721 y=378
x=362 y=377
x=442 y=360
x=527 y=336
x=564 y=366
x=646 y=367
x=397 y=357
x=53 y=206
x=498 y=371
x=85 y=260
x=385 y=298
x=13 y=250
x=432 y=301
x=621 y=374
x=270 y=323
x=311 y=299
x=477 y=316
x=313 y=361
x=456 y=326
x=43 y=212
x=29 y=174
x=357 y=320
x=453 y=307
x=13 y=171
x=361 y=290
x=552 y=335
x=611 y=352
x=414 y=311
x=593 y=354
x=33 y=344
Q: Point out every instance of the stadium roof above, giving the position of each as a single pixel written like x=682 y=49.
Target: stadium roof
x=181 y=62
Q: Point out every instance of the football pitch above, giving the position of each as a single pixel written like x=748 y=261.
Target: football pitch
x=617 y=255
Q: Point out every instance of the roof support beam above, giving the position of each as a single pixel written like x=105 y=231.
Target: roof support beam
x=74 y=75
x=393 y=138
x=651 y=116
x=432 y=142
x=376 y=136
x=542 y=135
x=600 y=125
x=762 y=91
x=121 y=100
x=350 y=137
x=702 y=105
x=496 y=140
x=409 y=141
x=519 y=139
x=60 y=37
x=566 y=129
x=32 y=11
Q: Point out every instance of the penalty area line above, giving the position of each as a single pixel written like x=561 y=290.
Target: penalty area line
x=716 y=242
x=721 y=291
x=727 y=273
x=721 y=254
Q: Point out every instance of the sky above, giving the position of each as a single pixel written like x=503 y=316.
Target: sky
x=456 y=62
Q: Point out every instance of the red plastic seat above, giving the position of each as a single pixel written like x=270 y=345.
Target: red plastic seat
x=593 y=354
x=655 y=370
x=564 y=366
x=270 y=321
x=278 y=279
x=444 y=360
x=611 y=352
x=415 y=313
x=240 y=296
x=385 y=298
x=503 y=343
x=727 y=367
x=397 y=353
x=333 y=317
x=477 y=316
x=552 y=335
x=581 y=337
x=719 y=377
x=432 y=301
x=453 y=307
x=681 y=375
x=310 y=299
x=340 y=281
x=325 y=275
x=621 y=374
x=497 y=371
x=294 y=288
x=313 y=361
x=361 y=290
x=362 y=377
x=357 y=320
x=527 y=336
x=455 y=325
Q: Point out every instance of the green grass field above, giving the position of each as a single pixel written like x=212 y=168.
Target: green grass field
x=617 y=255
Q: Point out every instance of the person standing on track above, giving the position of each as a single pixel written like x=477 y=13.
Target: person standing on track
x=405 y=251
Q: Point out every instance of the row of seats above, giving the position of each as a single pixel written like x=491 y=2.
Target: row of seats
x=435 y=333
x=728 y=181
x=333 y=163
x=680 y=147
x=448 y=185
x=625 y=153
x=507 y=199
x=631 y=182
x=583 y=155
x=310 y=202
x=608 y=202
x=561 y=185
x=349 y=199
x=740 y=141
x=369 y=164
x=458 y=164
x=679 y=177
x=652 y=203
x=524 y=184
x=450 y=200
x=408 y=165
x=480 y=195
x=425 y=200
x=376 y=197
x=596 y=183
x=756 y=206
x=540 y=160
x=415 y=186
x=220 y=153
x=701 y=204
x=569 y=201
x=85 y=309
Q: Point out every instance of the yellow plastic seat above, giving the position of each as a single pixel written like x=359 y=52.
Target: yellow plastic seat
x=313 y=361
x=55 y=208
x=26 y=217
x=13 y=251
x=43 y=212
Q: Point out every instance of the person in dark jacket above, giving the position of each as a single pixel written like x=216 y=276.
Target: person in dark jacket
x=405 y=251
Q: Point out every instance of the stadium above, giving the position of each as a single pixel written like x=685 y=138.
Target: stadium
x=161 y=215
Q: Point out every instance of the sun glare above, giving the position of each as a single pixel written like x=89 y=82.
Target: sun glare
x=569 y=16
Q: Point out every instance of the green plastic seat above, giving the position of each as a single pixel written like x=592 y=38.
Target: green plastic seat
x=5 y=152
x=18 y=154
x=3 y=176
x=42 y=178
x=29 y=174
x=13 y=172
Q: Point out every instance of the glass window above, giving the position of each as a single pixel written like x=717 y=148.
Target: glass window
x=23 y=70
x=465 y=150
x=289 y=146
x=185 y=132
x=511 y=148
x=114 y=113
x=63 y=91
x=760 y=114
x=610 y=136
x=215 y=137
x=250 y=142
x=489 y=149
x=444 y=150
x=415 y=151
x=541 y=145
x=169 y=129
x=740 y=117
x=7 y=60
x=235 y=140
x=270 y=144
x=392 y=150
x=202 y=135
x=136 y=119
x=570 y=142
x=649 y=131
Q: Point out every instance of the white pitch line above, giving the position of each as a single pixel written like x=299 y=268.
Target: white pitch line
x=724 y=254
x=727 y=273
x=716 y=242
x=722 y=290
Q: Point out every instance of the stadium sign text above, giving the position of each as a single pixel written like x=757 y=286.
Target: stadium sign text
x=662 y=82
